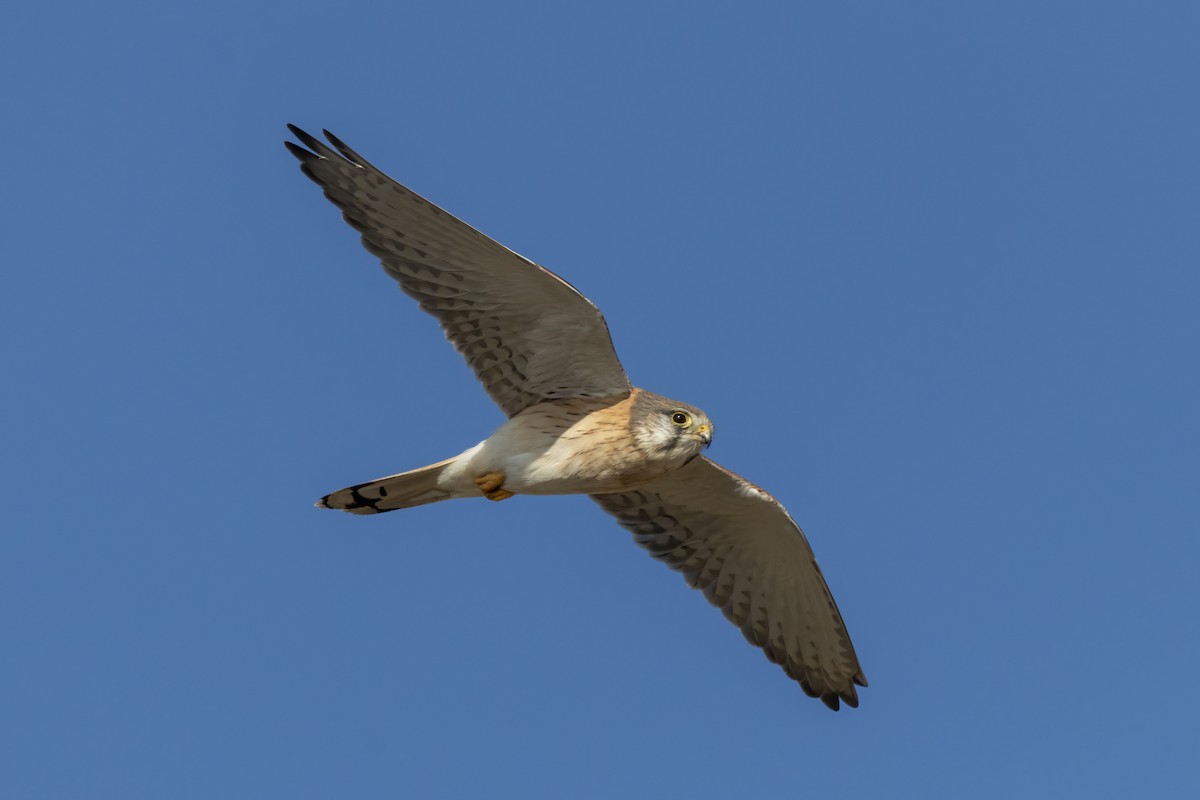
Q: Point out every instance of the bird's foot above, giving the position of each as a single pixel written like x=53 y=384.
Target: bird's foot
x=491 y=483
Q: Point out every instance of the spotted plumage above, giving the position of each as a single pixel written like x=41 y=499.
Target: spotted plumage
x=577 y=426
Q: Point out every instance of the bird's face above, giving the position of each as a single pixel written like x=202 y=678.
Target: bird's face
x=670 y=430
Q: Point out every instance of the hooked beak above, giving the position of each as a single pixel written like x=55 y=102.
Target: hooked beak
x=703 y=434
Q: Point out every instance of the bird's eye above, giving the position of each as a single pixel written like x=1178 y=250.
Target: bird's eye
x=681 y=419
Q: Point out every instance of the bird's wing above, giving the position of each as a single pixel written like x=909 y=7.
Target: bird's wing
x=739 y=545
x=528 y=334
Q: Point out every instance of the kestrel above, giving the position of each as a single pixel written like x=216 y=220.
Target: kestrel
x=576 y=425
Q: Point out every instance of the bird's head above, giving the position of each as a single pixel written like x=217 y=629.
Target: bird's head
x=668 y=429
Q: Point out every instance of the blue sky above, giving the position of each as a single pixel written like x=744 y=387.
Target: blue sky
x=931 y=267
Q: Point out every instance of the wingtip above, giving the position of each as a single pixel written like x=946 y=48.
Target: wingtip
x=833 y=698
x=346 y=150
x=299 y=152
x=318 y=150
x=311 y=142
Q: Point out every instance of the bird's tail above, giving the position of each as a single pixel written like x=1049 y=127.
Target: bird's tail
x=413 y=488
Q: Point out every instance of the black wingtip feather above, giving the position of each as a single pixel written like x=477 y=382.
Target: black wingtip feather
x=346 y=150
x=304 y=135
x=300 y=153
x=311 y=142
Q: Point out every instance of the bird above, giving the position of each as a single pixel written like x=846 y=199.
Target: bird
x=577 y=425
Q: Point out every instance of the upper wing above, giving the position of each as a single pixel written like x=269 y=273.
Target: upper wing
x=738 y=544
x=528 y=334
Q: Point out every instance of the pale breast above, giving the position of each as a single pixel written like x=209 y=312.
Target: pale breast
x=569 y=446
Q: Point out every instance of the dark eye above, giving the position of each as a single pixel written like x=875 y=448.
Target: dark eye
x=681 y=419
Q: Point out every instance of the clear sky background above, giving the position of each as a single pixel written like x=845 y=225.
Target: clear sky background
x=931 y=267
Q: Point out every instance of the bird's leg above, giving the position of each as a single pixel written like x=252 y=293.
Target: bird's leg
x=490 y=484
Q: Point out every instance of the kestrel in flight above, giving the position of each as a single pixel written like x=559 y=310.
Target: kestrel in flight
x=576 y=425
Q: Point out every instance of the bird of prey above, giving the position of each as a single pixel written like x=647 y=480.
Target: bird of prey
x=576 y=425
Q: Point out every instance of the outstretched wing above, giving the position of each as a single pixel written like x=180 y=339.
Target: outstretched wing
x=528 y=334
x=738 y=544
